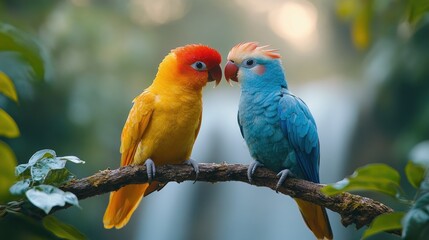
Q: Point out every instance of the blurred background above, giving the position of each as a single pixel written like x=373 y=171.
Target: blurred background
x=362 y=67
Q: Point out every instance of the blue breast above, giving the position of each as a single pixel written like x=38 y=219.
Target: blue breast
x=260 y=124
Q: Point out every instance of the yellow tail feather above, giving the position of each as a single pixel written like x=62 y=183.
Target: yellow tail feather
x=316 y=219
x=122 y=205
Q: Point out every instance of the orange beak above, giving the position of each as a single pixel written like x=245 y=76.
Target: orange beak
x=215 y=74
x=231 y=71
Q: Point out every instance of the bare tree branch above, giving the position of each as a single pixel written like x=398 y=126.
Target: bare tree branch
x=352 y=208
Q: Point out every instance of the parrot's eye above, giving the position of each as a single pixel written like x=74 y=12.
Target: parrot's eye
x=199 y=66
x=249 y=63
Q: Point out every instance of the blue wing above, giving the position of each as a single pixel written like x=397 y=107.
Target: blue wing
x=299 y=126
x=239 y=124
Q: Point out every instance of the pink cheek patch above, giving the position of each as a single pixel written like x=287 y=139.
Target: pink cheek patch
x=259 y=70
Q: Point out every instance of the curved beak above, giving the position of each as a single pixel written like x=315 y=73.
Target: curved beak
x=215 y=74
x=231 y=71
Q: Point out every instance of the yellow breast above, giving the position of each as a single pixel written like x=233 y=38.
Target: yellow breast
x=172 y=130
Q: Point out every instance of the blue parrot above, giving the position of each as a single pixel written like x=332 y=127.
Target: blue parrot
x=277 y=126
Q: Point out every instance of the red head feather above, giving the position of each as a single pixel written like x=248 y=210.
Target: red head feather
x=183 y=58
x=196 y=52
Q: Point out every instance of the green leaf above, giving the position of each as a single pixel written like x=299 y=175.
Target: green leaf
x=415 y=173
x=14 y=40
x=70 y=198
x=7 y=88
x=62 y=230
x=53 y=163
x=384 y=222
x=42 y=168
x=23 y=170
x=20 y=187
x=39 y=171
x=418 y=165
x=416 y=221
x=46 y=197
x=45 y=168
x=7 y=166
x=73 y=159
x=57 y=177
x=8 y=127
x=45 y=153
x=372 y=177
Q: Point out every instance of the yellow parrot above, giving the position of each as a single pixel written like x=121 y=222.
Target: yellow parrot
x=163 y=123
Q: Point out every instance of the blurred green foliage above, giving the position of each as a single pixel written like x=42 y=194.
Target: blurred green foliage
x=394 y=115
x=24 y=48
x=7 y=173
x=384 y=179
x=62 y=230
x=17 y=51
x=370 y=19
x=8 y=128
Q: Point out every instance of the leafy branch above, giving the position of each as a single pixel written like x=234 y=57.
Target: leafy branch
x=352 y=208
x=49 y=186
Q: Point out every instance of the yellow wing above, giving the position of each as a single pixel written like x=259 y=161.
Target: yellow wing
x=199 y=126
x=123 y=202
x=135 y=126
